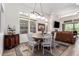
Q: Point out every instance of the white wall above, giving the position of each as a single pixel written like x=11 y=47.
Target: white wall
x=1 y=43
x=53 y=18
x=12 y=16
x=2 y=18
x=71 y=17
x=1 y=28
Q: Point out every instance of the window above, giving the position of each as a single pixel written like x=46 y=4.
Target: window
x=26 y=24
x=76 y=25
x=32 y=26
x=68 y=27
x=24 y=20
x=71 y=27
x=23 y=26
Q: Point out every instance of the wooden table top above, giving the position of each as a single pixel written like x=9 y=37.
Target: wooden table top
x=38 y=35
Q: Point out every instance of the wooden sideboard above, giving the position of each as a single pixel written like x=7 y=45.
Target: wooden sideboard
x=11 y=41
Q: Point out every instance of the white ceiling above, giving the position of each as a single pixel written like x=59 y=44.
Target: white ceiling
x=60 y=9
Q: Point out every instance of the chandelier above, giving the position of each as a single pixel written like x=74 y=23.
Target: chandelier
x=39 y=15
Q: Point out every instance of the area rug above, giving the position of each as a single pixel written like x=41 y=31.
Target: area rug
x=60 y=48
x=24 y=50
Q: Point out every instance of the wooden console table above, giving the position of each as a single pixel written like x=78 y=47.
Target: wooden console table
x=11 y=41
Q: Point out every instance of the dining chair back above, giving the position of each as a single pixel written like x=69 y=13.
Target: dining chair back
x=47 y=42
x=31 y=41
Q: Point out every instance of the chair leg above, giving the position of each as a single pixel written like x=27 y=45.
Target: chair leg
x=38 y=46
x=43 y=50
x=50 y=50
x=33 y=49
x=41 y=47
x=54 y=45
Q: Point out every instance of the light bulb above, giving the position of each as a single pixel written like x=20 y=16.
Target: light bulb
x=38 y=17
x=46 y=20
x=42 y=17
x=46 y=23
x=20 y=12
x=32 y=16
x=26 y=14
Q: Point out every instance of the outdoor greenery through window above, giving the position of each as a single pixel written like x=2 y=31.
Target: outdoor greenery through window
x=76 y=27
x=71 y=27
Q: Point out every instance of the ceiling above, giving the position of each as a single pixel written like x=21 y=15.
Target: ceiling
x=59 y=9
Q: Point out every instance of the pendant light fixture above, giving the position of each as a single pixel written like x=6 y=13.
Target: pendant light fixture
x=36 y=14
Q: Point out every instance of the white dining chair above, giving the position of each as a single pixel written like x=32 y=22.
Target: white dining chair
x=23 y=38
x=31 y=41
x=54 y=40
x=47 y=42
x=54 y=43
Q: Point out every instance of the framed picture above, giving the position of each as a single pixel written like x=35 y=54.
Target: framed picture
x=41 y=27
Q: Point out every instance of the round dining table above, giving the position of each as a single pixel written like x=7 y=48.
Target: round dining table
x=39 y=38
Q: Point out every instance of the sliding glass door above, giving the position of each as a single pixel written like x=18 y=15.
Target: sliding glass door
x=68 y=27
x=71 y=27
x=76 y=27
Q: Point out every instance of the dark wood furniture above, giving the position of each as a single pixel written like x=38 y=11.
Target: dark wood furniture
x=75 y=33
x=65 y=36
x=11 y=41
x=38 y=36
